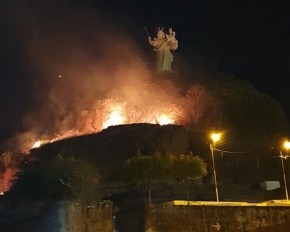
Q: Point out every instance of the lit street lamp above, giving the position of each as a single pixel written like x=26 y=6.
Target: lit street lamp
x=214 y=137
x=286 y=145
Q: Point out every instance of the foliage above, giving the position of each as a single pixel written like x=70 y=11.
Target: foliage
x=247 y=114
x=189 y=167
x=142 y=169
x=58 y=178
x=146 y=170
x=248 y=111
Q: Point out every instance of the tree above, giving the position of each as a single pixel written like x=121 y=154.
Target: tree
x=146 y=170
x=249 y=116
x=188 y=169
x=78 y=175
x=60 y=177
x=252 y=121
x=196 y=104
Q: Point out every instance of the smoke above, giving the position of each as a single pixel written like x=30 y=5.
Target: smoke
x=74 y=60
x=79 y=69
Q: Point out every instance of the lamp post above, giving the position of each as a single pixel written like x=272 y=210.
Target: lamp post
x=214 y=137
x=287 y=147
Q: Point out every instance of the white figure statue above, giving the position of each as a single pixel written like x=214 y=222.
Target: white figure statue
x=162 y=46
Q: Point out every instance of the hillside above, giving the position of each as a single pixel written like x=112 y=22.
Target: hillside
x=118 y=143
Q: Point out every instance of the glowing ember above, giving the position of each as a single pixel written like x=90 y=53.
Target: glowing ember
x=165 y=119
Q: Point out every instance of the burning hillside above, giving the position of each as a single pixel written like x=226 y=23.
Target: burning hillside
x=156 y=108
x=84 y=75
x=118 y=143
x=104 y=113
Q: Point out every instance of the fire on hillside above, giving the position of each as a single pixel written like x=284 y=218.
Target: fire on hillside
x=108 y=112
x=112 y=114
x=94 y=121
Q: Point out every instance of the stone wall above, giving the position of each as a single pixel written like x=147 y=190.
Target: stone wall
x=167 y=218
x=68 y=216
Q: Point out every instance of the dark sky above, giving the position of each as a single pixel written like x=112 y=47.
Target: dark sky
x=249 y=38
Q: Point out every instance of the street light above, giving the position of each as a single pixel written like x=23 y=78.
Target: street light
x=215 y=137
x=286 y=145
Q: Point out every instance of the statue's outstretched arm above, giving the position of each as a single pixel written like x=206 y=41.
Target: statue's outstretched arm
x=151 y=42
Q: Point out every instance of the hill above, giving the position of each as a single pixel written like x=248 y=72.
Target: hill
x=118 y=143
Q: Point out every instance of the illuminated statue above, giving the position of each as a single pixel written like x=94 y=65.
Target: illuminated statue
x=162 y=46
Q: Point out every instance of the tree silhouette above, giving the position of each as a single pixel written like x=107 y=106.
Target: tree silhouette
x=146 y=170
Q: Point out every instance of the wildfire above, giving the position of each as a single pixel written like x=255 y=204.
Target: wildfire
x=116 y=117
x=134 y=101
x=7 y=178
x=165 y=119
x=37 y=144
x=112 y=112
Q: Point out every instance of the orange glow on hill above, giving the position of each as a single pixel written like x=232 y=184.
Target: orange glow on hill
x=165 y=119
x=115 y=117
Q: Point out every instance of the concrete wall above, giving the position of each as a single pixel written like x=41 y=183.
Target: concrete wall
x=68 y=216
x=167 y=218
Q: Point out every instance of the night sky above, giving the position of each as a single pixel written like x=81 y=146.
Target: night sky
x=249 y=39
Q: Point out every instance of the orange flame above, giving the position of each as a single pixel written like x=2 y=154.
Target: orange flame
x=37 y=144
x=116 y=117
x=6 y=179
x=165 y=119
x=127 y=109
x=111 y=112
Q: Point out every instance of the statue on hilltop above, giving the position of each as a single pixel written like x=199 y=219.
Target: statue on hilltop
x=162 y=44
